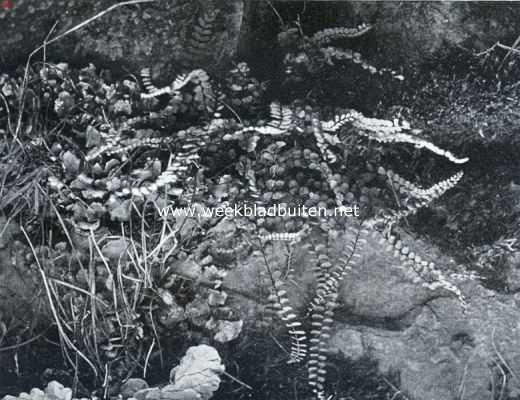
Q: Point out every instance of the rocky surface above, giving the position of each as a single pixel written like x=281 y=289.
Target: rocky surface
x=440 y=349
x=404 y=33
x=154 y=33
x=445 y=353
x=410 y=31
x=158 y=32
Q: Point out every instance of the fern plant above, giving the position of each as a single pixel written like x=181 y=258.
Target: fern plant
x=314 y=53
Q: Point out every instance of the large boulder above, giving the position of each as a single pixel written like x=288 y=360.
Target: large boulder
x=445 y=353
x=440 y=349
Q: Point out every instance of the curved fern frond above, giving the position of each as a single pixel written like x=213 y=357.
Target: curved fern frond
x=179 y=82
x=426 y=273
x=281 y=121
x=385 y=131
x=410 y=189
x=339 y=121
x=332 y=54
x=322 y=308
x=282 y=307
x=330 y=34
x=389 y=135
x=427 y=197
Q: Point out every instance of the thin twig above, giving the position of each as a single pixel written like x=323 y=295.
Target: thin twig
x=24 y=343
x=147 y=359
x=237 y=380
x=282 y=23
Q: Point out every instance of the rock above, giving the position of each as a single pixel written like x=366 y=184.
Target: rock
x=217 y=298
x=116 y=249
x=148 y=394
x=71 y=163
x=133 y=36
x=132 y=386
x=414 y=32
x=93 y=137
x=56 y=391
x=198 y=311
x=185 y=394
x=426 y=335
x=37 y=394
x=228 y=330
x=444 y=347
x=404 y=32
x=197 y=375
x=350 y=341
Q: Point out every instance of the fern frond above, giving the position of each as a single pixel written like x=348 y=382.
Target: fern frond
x=322 y=310
x=330 y=276
x=96 y=153
x=332 y=53
x=146 y=77
x=250 y=176
x=292 y=237
x=201 y=36
x=204 y=94
x=179 y=82
x=282 y=307
x=281 y=121
x=385 y=131
x=427 y=196
x=410 y=189
x=322 y=143
x=426 y=273
x=389 y=135
x=281 y=117
x=339 y=121
x=402 y=185
x=330 y=34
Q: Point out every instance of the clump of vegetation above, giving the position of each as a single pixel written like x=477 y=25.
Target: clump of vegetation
x=112 y=152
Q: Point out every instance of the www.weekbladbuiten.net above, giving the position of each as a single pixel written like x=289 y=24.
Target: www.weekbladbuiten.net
x=254 y=210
